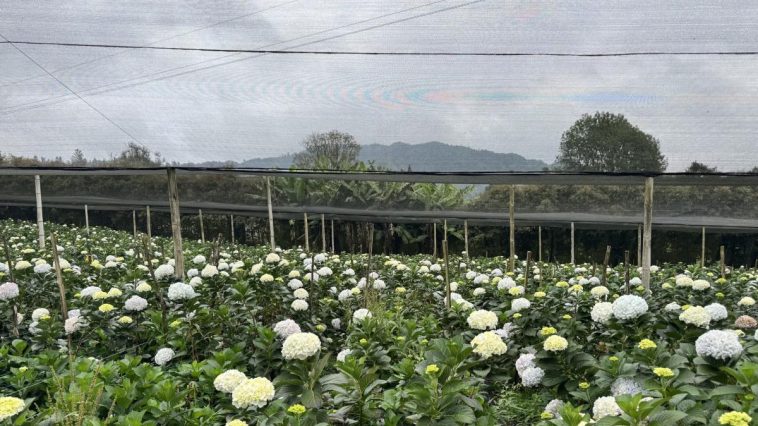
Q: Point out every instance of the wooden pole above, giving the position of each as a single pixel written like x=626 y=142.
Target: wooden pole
x=323 y=233
x=512 y=229
x=723 y=261
x=148 y=218
x=539 y=243
x=434 y=240
x=447 y=273
x=231 y=224
x=626 y=270
x=270 y=214
x=573 y=258
x=527 y=270
x=59 y=280
x=605 y=264
x=86 y=218
x=176 y=224
x=334 y=249
x=702 y=250
x=307 y=238
x=465 y=238
x=647 y=232
x=639 y=245
x=134 y=223
x=40 y=222
x=202 y=227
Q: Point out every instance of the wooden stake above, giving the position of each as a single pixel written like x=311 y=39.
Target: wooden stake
x=512 y=229
x=465 y=238
x=40 y=222
x=434 y=240
x=639 y=245
x=307 y=238
x=176 y=224
x=647 y=232
x=134 y=223
x=202 y=227
x=527 y=270
x=539 y=243
x=334 y=249
x=59 y=280
x=573 y=258
x=270 y=214
x=722 y=253
x=231 y=224
x=626 y=270
x=86 y=218
x=447 y=273
x=605 y=264
x=149 y=220
x=702 y=250
x=323 y=233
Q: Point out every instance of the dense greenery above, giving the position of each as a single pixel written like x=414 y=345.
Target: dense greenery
x=389 y=349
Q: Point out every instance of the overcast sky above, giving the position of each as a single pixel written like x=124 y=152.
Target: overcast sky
x=197 y=106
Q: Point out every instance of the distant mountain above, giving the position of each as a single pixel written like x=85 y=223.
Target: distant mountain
x=424 y=157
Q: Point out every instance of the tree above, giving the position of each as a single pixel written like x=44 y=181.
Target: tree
x=696 y=167
x=606 y=142
x=333 y=150
x=78 y=159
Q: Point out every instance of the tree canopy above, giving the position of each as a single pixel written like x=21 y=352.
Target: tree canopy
x=606 y=142
x=332 y=150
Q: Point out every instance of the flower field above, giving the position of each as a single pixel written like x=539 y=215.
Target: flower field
x=294 y=338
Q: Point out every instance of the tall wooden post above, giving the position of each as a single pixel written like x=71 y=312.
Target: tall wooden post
x=149 y=220
x=573 y=230
x=176 y=224
x=539 y=243
x=605 y=264
x=86 y=218
x=702 y=250
x=639 y=245
x=447 y=274
x=202 y=226
x=40 y=222
x=231 y=225
x=527 y=269
x=134 y=223
x=465 y=238
x=323 y=233
x=626 y=270
x=334 y=249
x=512 y=229
x=307 y=238
x=434 y=240
x=270 y=214
x=723 y=261
x=647 y=232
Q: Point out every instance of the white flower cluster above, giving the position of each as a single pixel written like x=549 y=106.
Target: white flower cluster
x=299 y=305
x=209 y=271
x=599 y=291
x=717 y=311
x=227 y=381
x=164 y=356
x=520 y=304
x=482 y=320
x=487 y=344
x=343 y=354
x=300 y=346
x=602 y=312
x=697 y=316
x=605 y=406
x=8 y=291
x=722 y=345
x=701 y=285
x=255 y=392
x=164 y=272
x=361 y=314
x=300 y=293
x=626 y=386
x=181 y=291
x=286 y=328
x=135 y=303
x=530 y=374
x=629 y=307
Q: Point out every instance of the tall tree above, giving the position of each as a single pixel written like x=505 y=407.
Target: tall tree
x=606 y=142
x=332 y=150
x=696 y=167
x=78 y=159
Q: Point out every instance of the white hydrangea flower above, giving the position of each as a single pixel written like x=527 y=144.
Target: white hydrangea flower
x=255 y=392
x=554 y=407
x=272 y=258
x=181 y=291
x=209 y=271
x=718 y=344
x=344 y=295
x=286 y=328
x=697 y=316
x=599 y=291
x=42 y=268
x=343 y=354
x=164 y=356
x=629 y=307
x=520 y=304
x=379 y=285
x=605 y=406
x=479 y=291
x=299 y=305
x=635 y=281
x=523 y=362
x=672 y=307
x=470 y=275
x=39 y=313
x=626 y=386
x=300 y=293
x=336 y=323
x=135 y=303
x=532 y=376
x=295 y=284
x=227 y=381
x=325 y=271
x=482 y=320
x=717 y=311
x=198 y=260
x=164 y=272
x=90 y=291
x=700 y=285
x=193 y=273
x=73 y=324
x=746 y=301
x=300 y=346
x=143 y=287
x=195 y=281
x=8 y=291
x=488 y=344
x=361 y=314
x=683 y=281
x=602 y=312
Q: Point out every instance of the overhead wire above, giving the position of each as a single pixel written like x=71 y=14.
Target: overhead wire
x=108 y=87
